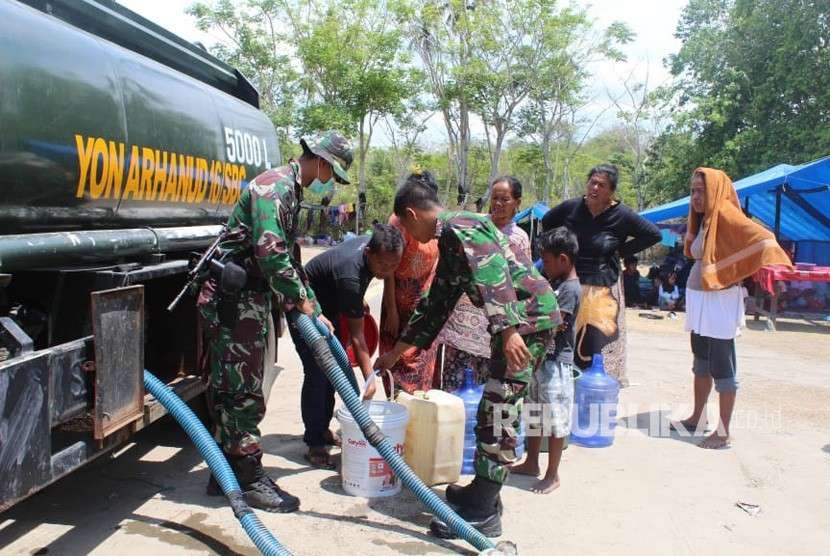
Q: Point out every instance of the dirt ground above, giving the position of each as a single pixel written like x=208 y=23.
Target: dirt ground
x=650 y=493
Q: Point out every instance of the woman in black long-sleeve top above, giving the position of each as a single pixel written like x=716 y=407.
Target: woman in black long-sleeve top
x=606 y=230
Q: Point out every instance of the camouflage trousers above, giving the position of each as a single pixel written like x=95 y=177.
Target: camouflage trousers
x=236 y=354
x=500 y=408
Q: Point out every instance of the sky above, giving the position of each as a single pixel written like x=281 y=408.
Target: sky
x=653 y=22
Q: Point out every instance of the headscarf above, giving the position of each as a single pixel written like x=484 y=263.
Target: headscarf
x=734 y=247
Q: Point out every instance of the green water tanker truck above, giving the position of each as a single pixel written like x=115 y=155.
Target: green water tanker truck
x=122 y=149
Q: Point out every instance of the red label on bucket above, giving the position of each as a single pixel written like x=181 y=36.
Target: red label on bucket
x=378 y=467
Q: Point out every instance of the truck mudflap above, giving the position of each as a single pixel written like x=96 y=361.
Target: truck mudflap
x=118 y=326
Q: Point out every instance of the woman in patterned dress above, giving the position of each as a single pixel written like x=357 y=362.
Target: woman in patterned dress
x=464 y=341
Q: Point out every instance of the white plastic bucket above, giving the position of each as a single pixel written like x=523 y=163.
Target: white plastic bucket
x=364 y=472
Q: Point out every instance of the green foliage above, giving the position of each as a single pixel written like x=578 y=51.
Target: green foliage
x=752 y=89
x=558 y=92
x=254 y=45
x=354 y=66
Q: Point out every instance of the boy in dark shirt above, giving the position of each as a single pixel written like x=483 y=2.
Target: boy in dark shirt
x=340 y=277
x=552 y=388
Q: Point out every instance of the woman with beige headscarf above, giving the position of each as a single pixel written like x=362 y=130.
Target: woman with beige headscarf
x=727 y=247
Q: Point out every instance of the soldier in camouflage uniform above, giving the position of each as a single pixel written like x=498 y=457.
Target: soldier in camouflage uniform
x=237 y=324
x=476 y=259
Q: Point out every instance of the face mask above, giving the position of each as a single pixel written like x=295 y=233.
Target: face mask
x=321 y=188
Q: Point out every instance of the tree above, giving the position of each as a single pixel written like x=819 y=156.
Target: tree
x=345 y=57
x=442 y=32
x=254 y=44
x=355 y=70
x=552 y=115
x=752 y=87
x=523 y=159
x=669 y=164
x=521 y=61
x=403 y=129
x=501 y=72
x=640 y=111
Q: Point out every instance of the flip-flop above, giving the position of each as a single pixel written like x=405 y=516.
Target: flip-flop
x=678 y=426
x=319 y=460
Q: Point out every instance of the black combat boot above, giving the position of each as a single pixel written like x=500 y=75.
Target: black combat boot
x=259 y=489
x=481 y=509
x=458 y=495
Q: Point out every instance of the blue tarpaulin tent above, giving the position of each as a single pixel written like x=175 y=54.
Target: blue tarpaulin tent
x=537 y=212
x=794 y=201
x=529 y=220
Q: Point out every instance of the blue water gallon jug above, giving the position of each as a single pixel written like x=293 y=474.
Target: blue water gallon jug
x=520 y=439
x=471 y=394
x=595 y=407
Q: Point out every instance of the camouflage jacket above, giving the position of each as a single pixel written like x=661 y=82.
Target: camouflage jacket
x=270 y=208
x=476 y=259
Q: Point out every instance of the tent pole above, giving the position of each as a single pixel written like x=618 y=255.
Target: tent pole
x=778 y=213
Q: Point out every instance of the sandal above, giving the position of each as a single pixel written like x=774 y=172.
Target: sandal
x=651 y=316
x=319 y=457
x=331 y=439
x=688 y=428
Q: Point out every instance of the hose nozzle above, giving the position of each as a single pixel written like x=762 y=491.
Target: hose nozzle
x=503 y=548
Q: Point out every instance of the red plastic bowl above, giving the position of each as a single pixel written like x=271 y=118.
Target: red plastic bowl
x=370 y=332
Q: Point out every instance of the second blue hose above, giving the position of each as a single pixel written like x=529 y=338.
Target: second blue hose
x=336 y=372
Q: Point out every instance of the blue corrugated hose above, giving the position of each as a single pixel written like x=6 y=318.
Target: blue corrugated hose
x=338 y=351
x=262 y=537
x=337 y=372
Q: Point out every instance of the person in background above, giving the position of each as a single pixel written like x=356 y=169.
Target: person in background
x=464 y=341
x=674 y=260
x=727 y=247
x=631 y=282
x=522 y=313
x=606 y=229
x=656 y=280
x=668 y=294
x=401 y=293
x=552 y=387
x=683 y=275
x=340 y=276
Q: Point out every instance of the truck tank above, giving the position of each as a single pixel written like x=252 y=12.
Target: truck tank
x=94 y=135
x=122 y=149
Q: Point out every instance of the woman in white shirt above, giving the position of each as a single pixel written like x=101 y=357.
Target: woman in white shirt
x=727 y=247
